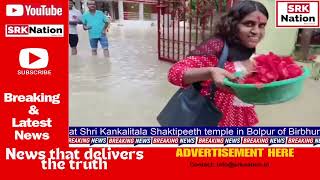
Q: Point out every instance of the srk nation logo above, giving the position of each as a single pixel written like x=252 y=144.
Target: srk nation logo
x=34 y=30
x=297 y=14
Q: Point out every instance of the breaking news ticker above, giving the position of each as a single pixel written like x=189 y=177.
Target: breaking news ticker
x=84 y=80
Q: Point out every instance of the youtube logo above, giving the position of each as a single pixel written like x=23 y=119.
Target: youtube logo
x=14 y=10
x=33 y=58
x=33 y=10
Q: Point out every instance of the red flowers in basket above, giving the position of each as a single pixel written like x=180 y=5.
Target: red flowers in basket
x=270 y=68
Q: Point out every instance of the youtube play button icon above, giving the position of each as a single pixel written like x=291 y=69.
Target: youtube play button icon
x=33 y=58
x=14 y=10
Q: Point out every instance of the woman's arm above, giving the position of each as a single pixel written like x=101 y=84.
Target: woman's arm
x=195 y=69
x=197 y=74
x=201 y=66
x=215 y=74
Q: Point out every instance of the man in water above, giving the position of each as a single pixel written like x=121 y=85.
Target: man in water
x=75 y=17
x=96 y=22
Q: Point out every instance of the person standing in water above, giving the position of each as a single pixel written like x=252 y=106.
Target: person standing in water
x=75 y=17
x=96 y=22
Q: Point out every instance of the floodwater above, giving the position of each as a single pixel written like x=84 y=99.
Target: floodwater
x=130 y=87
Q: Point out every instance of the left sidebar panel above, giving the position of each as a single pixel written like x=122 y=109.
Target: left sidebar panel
x=33 y=83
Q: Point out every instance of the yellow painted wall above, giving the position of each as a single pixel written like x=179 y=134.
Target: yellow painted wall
x=278 y=40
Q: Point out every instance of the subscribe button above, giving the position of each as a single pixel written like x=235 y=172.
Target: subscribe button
x=34 y=61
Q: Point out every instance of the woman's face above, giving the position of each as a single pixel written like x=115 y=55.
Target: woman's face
x=252 y=28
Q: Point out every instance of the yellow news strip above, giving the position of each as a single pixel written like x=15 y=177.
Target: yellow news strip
x=234 y=152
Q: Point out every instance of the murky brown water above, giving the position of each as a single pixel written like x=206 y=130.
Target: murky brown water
x=130 y=87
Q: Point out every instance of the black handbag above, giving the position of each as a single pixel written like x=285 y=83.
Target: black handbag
x=187 y=107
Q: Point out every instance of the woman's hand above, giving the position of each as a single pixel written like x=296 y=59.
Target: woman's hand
x=249 y=65
x=252 y=63
x=218 y=75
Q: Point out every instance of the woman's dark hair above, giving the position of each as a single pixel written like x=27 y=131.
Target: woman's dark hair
x=227 y=26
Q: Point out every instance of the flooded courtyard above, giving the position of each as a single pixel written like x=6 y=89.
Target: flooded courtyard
x=130 y=87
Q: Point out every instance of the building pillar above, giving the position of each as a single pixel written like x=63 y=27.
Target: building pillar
x=141 y=11
x=84 y=5
x=111 y=10
x=120 y=9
